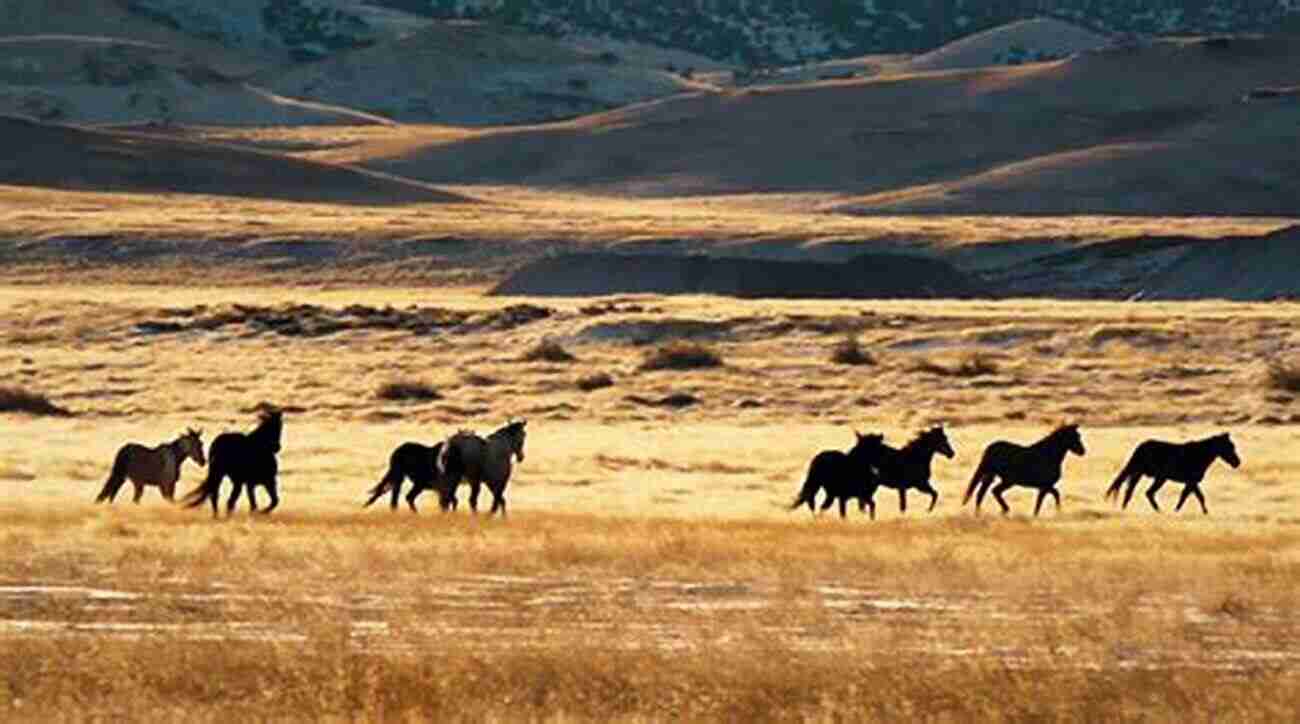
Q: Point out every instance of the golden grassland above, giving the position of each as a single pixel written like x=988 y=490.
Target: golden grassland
x=524 y=214
x=650 y=568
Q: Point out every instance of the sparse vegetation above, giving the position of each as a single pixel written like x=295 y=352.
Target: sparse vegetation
x=849 y=351
x=478 y=379
x=681 y=355
x=595 y=381
x=548 y=350
x=1284 y=375
x=975 y=364
x=17 y=399
x=401 y=390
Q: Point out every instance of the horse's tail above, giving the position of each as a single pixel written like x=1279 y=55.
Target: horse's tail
x=116 y=477
x=980 y=471
x=1129 y=468
x=209 y=487
x=386 y=483
x=809 y=490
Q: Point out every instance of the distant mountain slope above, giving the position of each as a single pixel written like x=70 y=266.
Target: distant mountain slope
x=764 y=32
x=67 y=157
x=474 y=74
x=897 y=134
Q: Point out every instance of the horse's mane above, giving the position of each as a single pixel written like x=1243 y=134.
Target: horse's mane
x=268 y=430
x=917 y=438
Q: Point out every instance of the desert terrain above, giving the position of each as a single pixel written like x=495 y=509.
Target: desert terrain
x=654 y=271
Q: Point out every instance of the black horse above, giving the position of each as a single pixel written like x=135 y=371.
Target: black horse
x=1163 y=461
x=908 y=468
x=1037 y=466
x=842 y=475
x=247 y=459
x=424 y=467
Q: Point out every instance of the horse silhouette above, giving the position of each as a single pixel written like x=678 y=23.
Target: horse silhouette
x=1037 y=466
x=908 y=468
x=420 y=464
x=247 y=459
x=1184 y=463
x=479 y=460
x=160 y=466
x=843 y=475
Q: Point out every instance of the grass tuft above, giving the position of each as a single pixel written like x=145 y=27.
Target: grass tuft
x=16 y=399
x=976 y=364
x=681 y=355
x=548 y=350
x=408 y=390
x=596 y=381
x=849 y=351
x=1284 y=375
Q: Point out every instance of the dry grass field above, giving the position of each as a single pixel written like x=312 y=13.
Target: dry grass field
x=649 y=568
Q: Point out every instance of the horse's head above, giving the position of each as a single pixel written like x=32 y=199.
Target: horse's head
x=867 y=445
x=270 y=427
x=1224 y=448
x=516 y=433
x=937 y=440
x=193 y=442
x=1073 y=441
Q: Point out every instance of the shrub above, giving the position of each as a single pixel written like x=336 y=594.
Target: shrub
x=849 y=351
x=681 y=356
x=595 y=381
x=976 y=364
x=1284 y=376
x=548 y=350
x=16 y=399
x=408 y=390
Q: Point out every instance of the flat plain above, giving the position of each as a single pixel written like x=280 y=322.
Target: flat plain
x=650 y=566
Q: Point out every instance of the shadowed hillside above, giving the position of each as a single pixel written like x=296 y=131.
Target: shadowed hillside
x=897 y=134
x=66 y=157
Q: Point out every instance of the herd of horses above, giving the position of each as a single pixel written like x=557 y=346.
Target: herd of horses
x=250 y=461
x=871 y=464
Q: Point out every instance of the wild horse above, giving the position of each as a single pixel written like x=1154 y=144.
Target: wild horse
x=479 y=460
x=1184 y=463
x=247 y=459
x=421 y=465
x=842 y=475
x=1037 y=466
x=908 y=468
x=160 y=466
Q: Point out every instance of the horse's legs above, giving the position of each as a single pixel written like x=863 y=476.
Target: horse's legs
x=1038 y=504
x=844 y=501
x=271 y=490
x=984 y=484
x=1151 y=493
x=397 y=490
x=934 y=496
x=139 y=491
x=998 y=490
x=1200 y=498
x=234 y=498
x=828 y=502
x=252 y=499
x=416 y=489
x=1133 y=481
x=169 y=491
x=1056 y=497
x=474 y=486
x=498 y=498
x=1183 y=496
x=902 y=500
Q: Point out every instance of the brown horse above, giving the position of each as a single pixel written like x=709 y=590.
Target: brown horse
x=843 y=475
x=1184 y=463
x=482 y=460
x=160 y=466
x=1036 y=466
